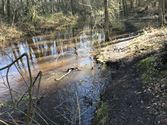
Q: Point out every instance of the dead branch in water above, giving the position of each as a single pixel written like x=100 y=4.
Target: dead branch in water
x=69 y=70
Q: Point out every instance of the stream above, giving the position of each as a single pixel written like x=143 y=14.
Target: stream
x=71 y=100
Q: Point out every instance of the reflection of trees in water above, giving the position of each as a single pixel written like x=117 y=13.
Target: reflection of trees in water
x=33 y=48
x=75 y=101
x=39 y=47
x=16 y=53
x=49 y=49
x=39 y=50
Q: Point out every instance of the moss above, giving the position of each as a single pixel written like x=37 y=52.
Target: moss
x=152 y=70
x=102 y=114
x=147 y=69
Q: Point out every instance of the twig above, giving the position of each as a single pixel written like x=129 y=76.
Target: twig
x=3 y=122
x=64 y=117
x=30 y=104
x=29 y=117
x=46 y=116
x=79 y=109
x=38 y=76
x=10 y=90
x=13 y=119
x=42 y=118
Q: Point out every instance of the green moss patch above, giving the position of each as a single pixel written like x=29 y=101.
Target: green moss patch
x=102 y=114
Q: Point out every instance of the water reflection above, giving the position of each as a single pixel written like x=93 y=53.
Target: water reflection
x=46 y=54
x=51 y=55
x=43 y=50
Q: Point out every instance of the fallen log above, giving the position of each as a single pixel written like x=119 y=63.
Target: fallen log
x=69 y=70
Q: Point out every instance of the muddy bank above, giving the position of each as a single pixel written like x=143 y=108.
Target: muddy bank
x=125 y=100
x=131 y=99
x=137 y=93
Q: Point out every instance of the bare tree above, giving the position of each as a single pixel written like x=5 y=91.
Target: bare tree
x=162 y=11
x=106 y=20
x=8 y=10
x=3 y=7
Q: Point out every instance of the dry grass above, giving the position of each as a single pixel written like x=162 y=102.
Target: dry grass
x=57 y=21
x=150 y=40
x=8 y=34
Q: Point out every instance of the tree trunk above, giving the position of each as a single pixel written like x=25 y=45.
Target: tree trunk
x=162 y=12
x=8 y=10
x=106 y=20
x=131 y=4
x=27 y=7
x=124 y=4
x=72 y=6
x=3 y=7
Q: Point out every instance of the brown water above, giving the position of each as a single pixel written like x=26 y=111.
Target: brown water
x=75 y=95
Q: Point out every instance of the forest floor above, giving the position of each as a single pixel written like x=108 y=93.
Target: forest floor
x=137 y=94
